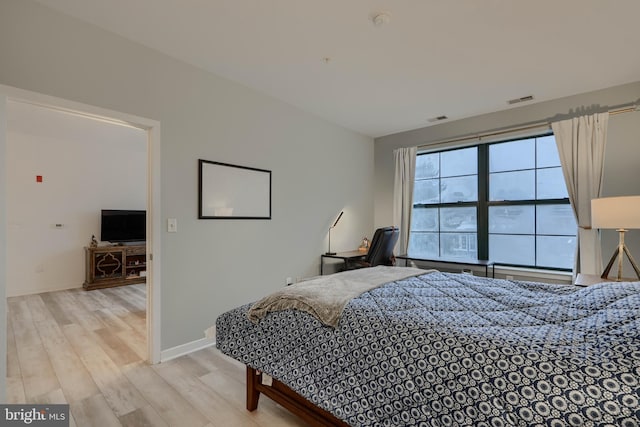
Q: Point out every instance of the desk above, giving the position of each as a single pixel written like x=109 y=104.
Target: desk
x=345 y=256
x=479 y=262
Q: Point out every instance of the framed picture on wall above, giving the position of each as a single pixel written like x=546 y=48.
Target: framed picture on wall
x=228 y=191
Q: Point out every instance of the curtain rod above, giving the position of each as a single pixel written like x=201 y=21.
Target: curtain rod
x=547 y=123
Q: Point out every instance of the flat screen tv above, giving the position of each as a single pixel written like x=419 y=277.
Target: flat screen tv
x=123 y=226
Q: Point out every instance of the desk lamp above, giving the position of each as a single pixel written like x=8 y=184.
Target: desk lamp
x=621 y=214
x=334 y=224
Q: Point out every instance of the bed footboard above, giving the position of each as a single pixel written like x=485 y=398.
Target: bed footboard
x=289 y=399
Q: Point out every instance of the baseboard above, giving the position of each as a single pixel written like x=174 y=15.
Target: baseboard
x=22 y=293
x=190 y=347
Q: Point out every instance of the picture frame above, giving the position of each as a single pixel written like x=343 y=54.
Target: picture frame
x=227 y=191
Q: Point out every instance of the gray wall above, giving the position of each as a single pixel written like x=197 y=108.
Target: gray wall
x=622 y=158
x=209 y=266
x=3 y=251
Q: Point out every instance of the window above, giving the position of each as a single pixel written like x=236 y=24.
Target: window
x=505 y=201
x=445 y=205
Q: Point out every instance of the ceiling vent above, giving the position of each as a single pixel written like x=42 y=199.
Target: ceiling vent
x=437 y=119
x=519 y=100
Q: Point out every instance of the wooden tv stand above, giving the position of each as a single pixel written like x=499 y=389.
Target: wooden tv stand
x=109 y=266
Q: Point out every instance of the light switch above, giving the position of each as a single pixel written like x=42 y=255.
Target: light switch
x=172 y=225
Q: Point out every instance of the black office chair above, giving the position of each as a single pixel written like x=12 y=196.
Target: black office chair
x=380 y=250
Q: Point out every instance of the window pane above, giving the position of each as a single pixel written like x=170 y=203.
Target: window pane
x=551 y=184
x=427 y=166
x=547 y=152
x=458 y=219
x=459 y=162
x=424 y=219
x=510 y=156
x=459 y=245
x=556 y=251
x=511 y=249
x=423 y=245
x=512 y=219
x=460 y=189
x=556 y=219
x=512 y=185
x=426 y=191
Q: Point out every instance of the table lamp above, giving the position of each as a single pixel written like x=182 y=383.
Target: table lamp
x=621 y=214
x=334 y=224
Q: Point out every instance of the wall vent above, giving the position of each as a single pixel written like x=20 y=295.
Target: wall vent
x=437 y=119
x=518 y=100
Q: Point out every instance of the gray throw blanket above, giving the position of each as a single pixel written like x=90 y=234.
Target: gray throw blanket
x=326 y=296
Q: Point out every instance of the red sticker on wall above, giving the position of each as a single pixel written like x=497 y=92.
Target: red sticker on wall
x=38 y=178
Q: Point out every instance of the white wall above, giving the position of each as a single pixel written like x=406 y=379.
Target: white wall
x=622 y=155
x=208 y=266
x=87 y=165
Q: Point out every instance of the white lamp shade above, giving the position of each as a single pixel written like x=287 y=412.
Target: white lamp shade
x=616 y=212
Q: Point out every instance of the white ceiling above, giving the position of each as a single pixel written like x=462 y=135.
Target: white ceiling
x=54 y=125
x=459 y=58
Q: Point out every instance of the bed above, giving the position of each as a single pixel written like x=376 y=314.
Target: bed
x=445 y=349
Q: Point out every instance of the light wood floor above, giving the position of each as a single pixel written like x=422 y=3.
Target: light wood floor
x=87 y=349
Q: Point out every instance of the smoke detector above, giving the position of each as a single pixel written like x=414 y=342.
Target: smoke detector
x=380 y=19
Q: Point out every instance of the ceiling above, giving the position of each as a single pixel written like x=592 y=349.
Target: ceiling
x=51 y=125
x=433 y=57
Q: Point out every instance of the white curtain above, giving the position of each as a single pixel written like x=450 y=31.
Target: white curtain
x=405 y=160
x=581 y=143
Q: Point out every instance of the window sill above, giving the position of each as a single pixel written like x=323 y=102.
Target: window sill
x=535 y=274
x=502 y=271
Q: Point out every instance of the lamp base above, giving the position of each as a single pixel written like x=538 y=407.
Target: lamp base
x=329 y=253
x=620 y=250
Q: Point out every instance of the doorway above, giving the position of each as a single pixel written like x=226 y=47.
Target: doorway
x=151 y=129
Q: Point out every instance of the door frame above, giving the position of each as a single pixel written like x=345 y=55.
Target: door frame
x=154 y=228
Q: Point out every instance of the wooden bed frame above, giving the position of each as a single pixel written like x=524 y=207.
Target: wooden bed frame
x=289 y=399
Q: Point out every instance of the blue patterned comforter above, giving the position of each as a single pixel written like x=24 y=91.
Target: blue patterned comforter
x=447 y=349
